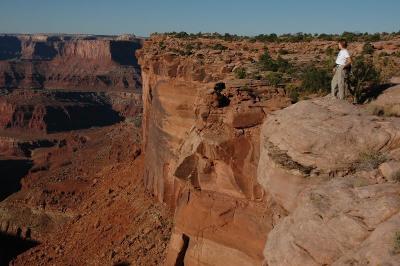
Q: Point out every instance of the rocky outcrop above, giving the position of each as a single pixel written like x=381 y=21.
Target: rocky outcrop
x=388 y=103
x=319 y=161
x=70 y=62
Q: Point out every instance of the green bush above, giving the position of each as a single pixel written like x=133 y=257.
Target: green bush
x=182 y=34
x=137 y=121
x=162 y=45
x=315 y=80
x=292 y=91
x=368 y=48
x=240 y=73
x=220 y=47
x=274 y=78
x=383 y=54
x=267 y=63
x=373 y=37
x=364 y=74
x=330 y=51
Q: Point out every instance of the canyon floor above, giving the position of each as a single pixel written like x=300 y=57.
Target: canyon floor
x=111 y=218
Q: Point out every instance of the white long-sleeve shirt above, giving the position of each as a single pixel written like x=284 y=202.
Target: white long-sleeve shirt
x=342 y=57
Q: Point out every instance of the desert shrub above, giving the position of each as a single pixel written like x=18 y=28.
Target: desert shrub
x=364 y=74
x=181 y=34
x=330 y=51
x=349 y=36
x=325 y=37
x=267 y=63
x=255 y=75
x=274 y=78
x=283 y=65
x=189 y=47
x=359 y=182
x=186 y=52
x=292 y=92
x=368 y=48
x=373 y=37
x=315 y=80
x=383 y=54
x=267 y=37
x=240 y=73
x=137 y=121
x=396 y=177
x=370 y=160
x=220 y=47
x=296 y=37
x=396 y=243
x=162 y=45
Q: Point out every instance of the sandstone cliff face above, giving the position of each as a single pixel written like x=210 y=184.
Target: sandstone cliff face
x=76 y=62
x=201 y=146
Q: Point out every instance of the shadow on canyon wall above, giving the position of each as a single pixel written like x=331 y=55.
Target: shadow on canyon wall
x=10 y=47
x=11 y=173
x=123 y=52
x=80 y=117
x=12 y=246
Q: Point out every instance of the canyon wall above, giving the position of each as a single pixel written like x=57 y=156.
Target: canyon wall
x=53 y=83
x=201 y=145
x=72 y=62
x=61 y=110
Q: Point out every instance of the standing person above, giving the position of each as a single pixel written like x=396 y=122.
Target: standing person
x=339 y=85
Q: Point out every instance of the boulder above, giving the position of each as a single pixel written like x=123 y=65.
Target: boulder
x=321 y=137
x=247 y=119
x=337 y=220
x=388 y=103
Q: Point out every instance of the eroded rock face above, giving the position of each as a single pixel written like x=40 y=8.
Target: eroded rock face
x=55 y=111
x=319 y=161
x=201 y=148
x=70 y=62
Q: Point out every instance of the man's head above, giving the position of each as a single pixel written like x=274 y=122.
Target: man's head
x=342 y=44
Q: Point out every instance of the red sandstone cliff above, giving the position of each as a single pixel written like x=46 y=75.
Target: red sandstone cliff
x=69 y=62
x=201 y=131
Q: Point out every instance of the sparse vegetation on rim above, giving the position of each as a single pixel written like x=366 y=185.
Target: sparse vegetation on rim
x=288 y=37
